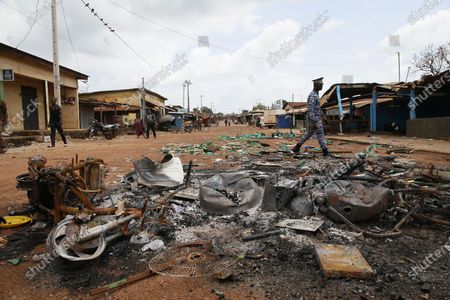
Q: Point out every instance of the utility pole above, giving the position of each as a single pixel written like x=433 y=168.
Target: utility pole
x=143 y=104
x=188 y=83
x=184 y=87
x=56 y=75
x=407 y=74
x=292 y=97
x=398 y=55
x=201 y=103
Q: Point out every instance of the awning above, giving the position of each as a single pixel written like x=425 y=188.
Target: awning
x=119 y=107
x=361 y=102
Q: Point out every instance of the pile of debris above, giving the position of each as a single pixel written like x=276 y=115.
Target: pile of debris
x=189 y=222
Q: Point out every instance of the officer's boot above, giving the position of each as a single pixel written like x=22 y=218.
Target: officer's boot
x=297 y=148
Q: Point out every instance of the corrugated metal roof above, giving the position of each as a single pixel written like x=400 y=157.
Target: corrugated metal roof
x=361 y=102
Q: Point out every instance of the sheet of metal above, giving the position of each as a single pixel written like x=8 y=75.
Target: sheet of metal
x=342 y=261
x=301 y=224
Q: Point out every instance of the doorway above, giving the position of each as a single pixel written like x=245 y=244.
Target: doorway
x=30 y=108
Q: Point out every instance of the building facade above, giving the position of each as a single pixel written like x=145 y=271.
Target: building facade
x=27 y=96
x=115 y=106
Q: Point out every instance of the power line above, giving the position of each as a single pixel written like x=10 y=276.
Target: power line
x=31 y=26
x=230 y=50
x=92 y=10
x=45 y=27
x=346 y=63
x=70 y=38
x=184 y=34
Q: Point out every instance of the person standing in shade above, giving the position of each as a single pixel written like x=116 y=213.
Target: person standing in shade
x=3 y=123
x=314 y=119
x=150 y=119
x=56 y=123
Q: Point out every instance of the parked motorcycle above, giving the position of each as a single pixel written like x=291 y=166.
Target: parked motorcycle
x=108 y=131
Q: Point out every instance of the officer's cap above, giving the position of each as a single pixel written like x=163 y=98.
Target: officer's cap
x=318 y=80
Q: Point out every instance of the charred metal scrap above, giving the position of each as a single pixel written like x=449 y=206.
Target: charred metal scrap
x=360 y=189
x=174 y=198
x=65 y=195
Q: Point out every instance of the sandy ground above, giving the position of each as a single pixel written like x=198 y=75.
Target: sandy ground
x=118 y=154
x=418 y=144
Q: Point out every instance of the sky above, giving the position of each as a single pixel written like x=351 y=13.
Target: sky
x=158 y=40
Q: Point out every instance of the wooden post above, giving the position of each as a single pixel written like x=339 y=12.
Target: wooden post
x=412 y=106
x=341 y=112
x=373 y=111
x=47 y=106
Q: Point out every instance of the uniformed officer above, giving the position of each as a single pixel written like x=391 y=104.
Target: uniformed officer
x=314 y=119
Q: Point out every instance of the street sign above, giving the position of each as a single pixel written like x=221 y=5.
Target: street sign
x=6 y=75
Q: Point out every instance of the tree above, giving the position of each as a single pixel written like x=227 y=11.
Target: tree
x=433 y=61
x=259 y=106
x=206 y=110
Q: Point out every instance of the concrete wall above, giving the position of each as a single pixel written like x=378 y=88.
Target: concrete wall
x=86 y=115
x=13 y=99
x=124 y=97
x=70 y=113
x=127 y=98
x=28 y=67
x=435 y=128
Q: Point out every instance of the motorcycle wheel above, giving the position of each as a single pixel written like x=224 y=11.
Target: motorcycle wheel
x=109 y=135
x=88 y=134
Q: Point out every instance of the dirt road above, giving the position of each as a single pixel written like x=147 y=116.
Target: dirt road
x=118 y=154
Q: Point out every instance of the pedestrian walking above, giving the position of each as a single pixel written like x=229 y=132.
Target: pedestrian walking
x=139 y=126
x=56 y=123
x=151 y=123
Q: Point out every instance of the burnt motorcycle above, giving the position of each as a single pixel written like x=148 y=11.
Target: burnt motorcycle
x=96 y=128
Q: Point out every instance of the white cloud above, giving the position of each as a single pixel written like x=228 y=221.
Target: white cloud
x=433 y=29
x=250 y=23
x=252 y=27
x=332 y=24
